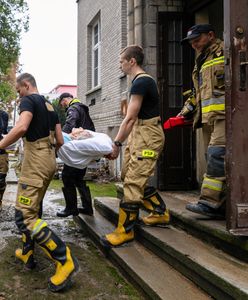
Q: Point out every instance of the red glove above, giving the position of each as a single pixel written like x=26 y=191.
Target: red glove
x=179 y=121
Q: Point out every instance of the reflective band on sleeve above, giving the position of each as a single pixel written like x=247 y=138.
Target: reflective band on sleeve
x=213 y=104
x=212 y=184
x=214 y=107
x=212 y=62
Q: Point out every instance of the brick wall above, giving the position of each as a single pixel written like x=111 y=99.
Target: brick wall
x=113 y=20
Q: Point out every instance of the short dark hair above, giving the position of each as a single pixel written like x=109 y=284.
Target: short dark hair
x=134 y=51
x=28 y=77
x=65 y=95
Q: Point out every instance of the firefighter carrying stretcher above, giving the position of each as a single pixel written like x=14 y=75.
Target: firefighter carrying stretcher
x=142 y=127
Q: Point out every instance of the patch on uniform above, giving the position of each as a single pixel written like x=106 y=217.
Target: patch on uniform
x=148 y=153
x=24 y=200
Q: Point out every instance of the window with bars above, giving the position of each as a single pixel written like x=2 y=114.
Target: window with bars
x=175 y=63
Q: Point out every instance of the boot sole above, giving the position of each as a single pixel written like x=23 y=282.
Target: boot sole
x=68 y=282
x=165 y=225
x=108 y=246
x=206 y=214
x=65 y=216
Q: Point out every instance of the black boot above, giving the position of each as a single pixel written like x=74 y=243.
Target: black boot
x=70 y=195
x=85 y=196
x=2 y=187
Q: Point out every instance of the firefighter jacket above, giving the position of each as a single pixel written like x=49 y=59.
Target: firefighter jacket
x=77 y=115
x=208 y=79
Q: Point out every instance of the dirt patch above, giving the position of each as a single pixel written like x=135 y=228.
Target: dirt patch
x=96 y=280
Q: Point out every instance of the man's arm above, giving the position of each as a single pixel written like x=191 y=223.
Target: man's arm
x=18 y=131
x=58 y=136
x=71 y=119
x=128 y=122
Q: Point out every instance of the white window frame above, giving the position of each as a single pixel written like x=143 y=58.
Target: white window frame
x=96 y=47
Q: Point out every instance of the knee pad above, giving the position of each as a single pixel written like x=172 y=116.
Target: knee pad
x=215 y=161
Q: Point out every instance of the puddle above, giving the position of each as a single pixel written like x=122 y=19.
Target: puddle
x=64 y=227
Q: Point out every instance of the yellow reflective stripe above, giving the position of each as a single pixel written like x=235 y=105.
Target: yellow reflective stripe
x=210 y=187
x=39 y=224
x=212 y=184
x=212 y=62
x=213 y=107
x=215 y=60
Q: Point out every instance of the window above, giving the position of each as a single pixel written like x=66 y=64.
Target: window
x=96 y=43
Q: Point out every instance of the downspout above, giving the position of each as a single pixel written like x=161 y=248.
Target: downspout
x=130 y=11
x=138 y=22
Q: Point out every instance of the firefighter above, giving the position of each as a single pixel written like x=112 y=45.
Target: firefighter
x=77 y=115
x=4 y=117
x=208 y=80
x=142 y=127
x=39 y=125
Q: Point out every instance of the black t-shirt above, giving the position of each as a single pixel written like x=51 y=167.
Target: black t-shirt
x=147 y=87
x=43 y=120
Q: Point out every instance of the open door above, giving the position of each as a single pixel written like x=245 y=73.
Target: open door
x=176 y=167
x=236 y=73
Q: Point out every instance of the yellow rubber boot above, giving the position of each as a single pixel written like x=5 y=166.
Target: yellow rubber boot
x=55 y=248
x=26 y=254
x=153 y=203
x=128 y=215
x=64 y=272
x=154 y=219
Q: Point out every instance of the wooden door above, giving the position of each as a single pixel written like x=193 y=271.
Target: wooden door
x=176 y=168
x=236 y=77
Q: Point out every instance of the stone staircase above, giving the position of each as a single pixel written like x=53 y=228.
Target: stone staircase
x=192 y=258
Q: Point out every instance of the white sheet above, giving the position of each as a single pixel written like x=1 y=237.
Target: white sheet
x=80 y=153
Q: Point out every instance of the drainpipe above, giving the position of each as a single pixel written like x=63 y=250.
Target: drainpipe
x=130 y=38
x=138 y=22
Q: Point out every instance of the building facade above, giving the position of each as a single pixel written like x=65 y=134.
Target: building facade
x=104 y=28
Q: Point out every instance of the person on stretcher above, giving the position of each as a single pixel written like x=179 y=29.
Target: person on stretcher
x=77 y=134
x=82 y=146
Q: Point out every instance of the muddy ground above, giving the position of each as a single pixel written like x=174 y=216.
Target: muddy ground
x=97 y=278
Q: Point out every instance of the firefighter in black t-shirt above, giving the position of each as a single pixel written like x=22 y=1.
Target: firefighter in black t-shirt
x=142 y=127
x=39 y=126
x=4 y=118
x=77 y=115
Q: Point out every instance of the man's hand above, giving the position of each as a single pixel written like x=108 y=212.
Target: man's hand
x=114 y=154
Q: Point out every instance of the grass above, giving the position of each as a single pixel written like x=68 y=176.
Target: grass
x=97 y=189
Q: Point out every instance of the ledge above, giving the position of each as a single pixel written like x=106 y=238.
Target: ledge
x=95 y=89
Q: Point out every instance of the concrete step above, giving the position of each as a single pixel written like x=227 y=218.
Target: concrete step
x=11 y=176
x=153 y=276
x=216 y=272
x=211 y=231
